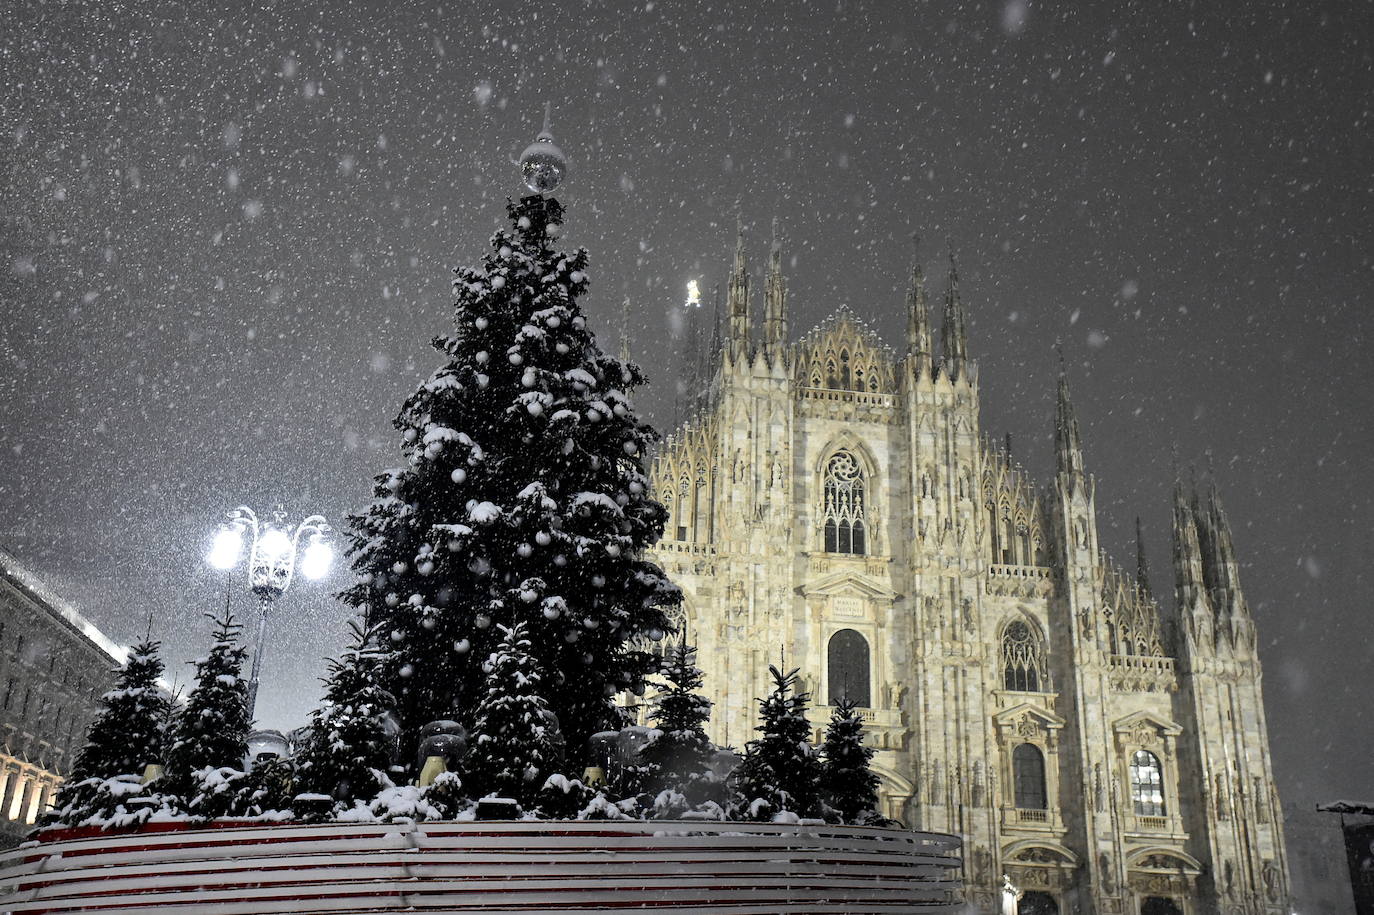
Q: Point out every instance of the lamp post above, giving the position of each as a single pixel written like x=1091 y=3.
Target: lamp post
x=272 y=551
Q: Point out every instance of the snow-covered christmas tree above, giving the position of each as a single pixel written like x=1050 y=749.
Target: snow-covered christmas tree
x=679 y=754
x=523 y=499
x=518 y=744
x=848 y=786
x=125 y=738
x=780 y=772
x=351 y=743
x=210 y=735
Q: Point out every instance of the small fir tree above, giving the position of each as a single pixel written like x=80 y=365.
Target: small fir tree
x=780 y=771
x=523 y=499
x=126 y=736
x=678 y=757
x=848 y=786
x=210 y=735
x=517 y=744
x=351 y=744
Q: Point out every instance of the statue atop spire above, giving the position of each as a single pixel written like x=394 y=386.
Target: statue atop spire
x=775 y=297
x=1142 y=565
x=918 y=343
x=738 y=302
x=1068 y=445
x=953 y=334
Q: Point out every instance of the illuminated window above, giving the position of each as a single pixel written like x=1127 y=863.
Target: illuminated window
x=1147 y=784
x=1028 y=767
x=844 y=505
x=1023 y=659
x=847 y=664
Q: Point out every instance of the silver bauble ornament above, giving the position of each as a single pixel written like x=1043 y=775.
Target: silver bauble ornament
x=542 y=164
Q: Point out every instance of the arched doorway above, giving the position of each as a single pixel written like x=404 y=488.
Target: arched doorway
x=1160 y=905
x=1037 y=903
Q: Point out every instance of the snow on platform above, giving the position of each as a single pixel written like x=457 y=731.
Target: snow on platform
x=527 y=866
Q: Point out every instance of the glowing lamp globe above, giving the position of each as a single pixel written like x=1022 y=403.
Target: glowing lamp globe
x=224 y=554
x=316 y=560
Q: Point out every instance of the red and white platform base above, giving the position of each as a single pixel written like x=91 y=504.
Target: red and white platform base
x=245 y=869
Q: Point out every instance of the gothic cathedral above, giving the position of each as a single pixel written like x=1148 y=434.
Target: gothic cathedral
x=839 y=504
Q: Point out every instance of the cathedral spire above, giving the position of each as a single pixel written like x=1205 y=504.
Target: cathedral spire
x=918 y=347
x=1068 y=446
x=625 y=330
x=775 y=297
x=1190 y=590
x=1142 y=565
x=1221 y=556
x=738 y=301
x=953 y=334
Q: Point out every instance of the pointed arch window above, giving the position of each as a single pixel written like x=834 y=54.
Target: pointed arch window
x=844 y=508
x=847 y=668
x=1028 y=768
x=1147 y=784
x=684 y=503
x=1023 y=659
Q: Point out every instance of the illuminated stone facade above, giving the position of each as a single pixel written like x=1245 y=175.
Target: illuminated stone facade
x=839 y=503
x=54 y=665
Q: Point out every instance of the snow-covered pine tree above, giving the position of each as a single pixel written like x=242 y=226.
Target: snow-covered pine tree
x=780 y=770
x=210 y=734
x=351 y=744
x=678 y=757
x=125 y=737
x=848 y=786
x=517 y=745
x=523 y=498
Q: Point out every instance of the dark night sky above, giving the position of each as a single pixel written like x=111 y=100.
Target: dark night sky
x=226 y=240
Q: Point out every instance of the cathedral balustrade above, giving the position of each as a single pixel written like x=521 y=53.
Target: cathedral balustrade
x=685 y=547
x=862 y=398
x=872 y=566
x=1020 y=581
x=1143 y=673
x=883 y=726
x=1037 y=573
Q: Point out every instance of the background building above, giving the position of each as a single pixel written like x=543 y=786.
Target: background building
x=841 y=504
x=54 y=666
x=1317 y=862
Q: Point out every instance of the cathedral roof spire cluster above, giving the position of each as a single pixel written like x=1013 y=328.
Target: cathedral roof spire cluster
x=1206 y=576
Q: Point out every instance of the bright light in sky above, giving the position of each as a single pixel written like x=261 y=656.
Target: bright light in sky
x=693 y=294
x=225 y=552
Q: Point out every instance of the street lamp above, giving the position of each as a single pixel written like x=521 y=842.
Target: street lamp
x=272 y=551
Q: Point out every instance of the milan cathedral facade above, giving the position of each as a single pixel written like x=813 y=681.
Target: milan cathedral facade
x=840 y=504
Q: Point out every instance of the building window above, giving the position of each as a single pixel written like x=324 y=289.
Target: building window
x=1028 y=768
x=1147 y=784
x=1023 y=659
x=847 y=664
x=844 y=505
x=684 y=501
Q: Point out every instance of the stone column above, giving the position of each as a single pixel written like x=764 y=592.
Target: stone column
x=12 y=779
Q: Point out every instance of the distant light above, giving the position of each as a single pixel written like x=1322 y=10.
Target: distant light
x=317 y=560
x=693 y=294
x=274 y=545
x=225 y=552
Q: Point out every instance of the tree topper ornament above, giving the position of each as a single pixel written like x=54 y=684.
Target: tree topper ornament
x=543 y=164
